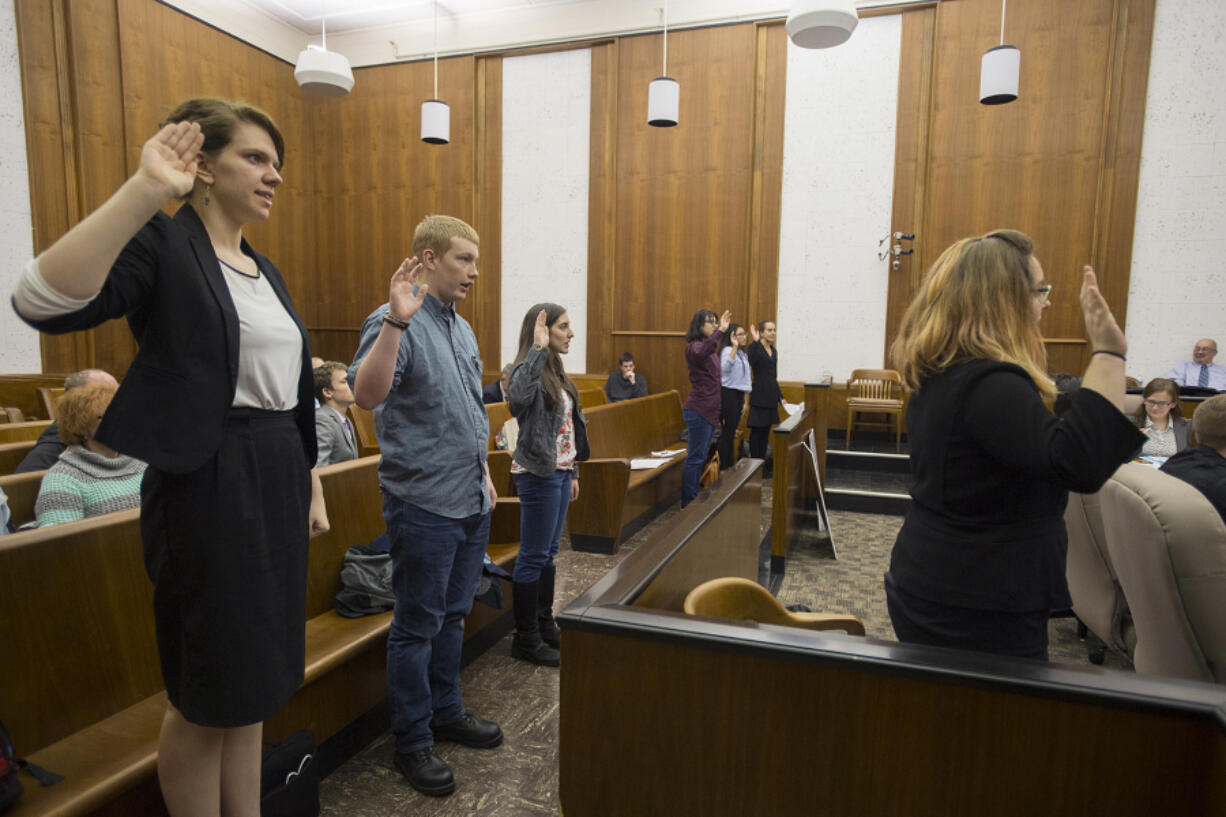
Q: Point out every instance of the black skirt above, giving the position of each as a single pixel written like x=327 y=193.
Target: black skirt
x=762 y=417
x=226 y=548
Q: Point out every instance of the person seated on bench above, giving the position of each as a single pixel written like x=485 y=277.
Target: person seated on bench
x=1160 y=419
x=625 y=383
x=333 y=431
x=1204 y=467
x=496 y=392
x=49 y=445
x=701 y=409
x=89 y=478
x=980 y=560
x=552 y=437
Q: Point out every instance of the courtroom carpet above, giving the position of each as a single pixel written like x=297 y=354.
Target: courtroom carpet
x=520 y=778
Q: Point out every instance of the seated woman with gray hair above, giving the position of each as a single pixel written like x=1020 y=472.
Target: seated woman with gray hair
x=89 y=478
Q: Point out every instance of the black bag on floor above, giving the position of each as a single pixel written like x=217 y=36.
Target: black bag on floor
x=10 y=765
x=289 y=778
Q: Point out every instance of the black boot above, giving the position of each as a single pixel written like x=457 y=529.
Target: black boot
x=544 y=608
x=527 y=644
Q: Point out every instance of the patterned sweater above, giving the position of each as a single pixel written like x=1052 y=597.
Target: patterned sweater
x=82 y=483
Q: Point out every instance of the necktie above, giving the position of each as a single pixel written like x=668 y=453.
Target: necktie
x=349 y=432
x=1204 y=376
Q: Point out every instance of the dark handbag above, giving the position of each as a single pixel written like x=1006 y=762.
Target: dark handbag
x=10 y=765
x=289 y=778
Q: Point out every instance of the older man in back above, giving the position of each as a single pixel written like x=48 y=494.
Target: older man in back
x=1201 y=370
x=48 y=446
x=1204 y=467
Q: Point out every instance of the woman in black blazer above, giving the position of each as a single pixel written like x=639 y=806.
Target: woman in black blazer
x=979 y=561
x=765 y=397
x=218 y=402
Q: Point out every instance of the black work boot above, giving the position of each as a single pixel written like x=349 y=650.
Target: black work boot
x=544 y=608
x=527 y=644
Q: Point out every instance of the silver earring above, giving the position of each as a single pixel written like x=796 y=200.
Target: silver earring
x=208 y=189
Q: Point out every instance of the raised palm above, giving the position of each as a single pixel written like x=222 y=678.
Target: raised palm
x=1102 y=329
x=407 y=293
x=170 y=157
x=540 y=332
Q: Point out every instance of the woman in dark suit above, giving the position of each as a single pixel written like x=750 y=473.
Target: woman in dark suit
x=980 y=560
x=765 y=397
x=219 y=402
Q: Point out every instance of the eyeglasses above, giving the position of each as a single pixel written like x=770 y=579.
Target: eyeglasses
x=1043 y=293
x=1204 y=348
x=1158 y=403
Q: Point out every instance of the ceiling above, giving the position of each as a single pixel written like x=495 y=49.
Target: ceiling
x=355 y=15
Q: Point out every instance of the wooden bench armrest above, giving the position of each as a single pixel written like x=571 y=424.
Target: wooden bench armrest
x=504 y=520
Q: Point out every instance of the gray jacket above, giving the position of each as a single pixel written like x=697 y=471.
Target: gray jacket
x=1183 y=430
x=335 y=443
x=537 y=449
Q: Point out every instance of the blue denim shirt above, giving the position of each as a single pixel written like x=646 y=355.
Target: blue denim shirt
x=432 y=427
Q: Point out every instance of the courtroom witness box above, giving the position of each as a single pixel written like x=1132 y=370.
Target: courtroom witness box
x=82 y=688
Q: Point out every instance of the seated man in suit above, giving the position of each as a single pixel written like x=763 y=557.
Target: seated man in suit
x=333 y=430
x=625 y=383
x=49 y=445
x=496 y=392
x=1201 y=370
x=1204 y=467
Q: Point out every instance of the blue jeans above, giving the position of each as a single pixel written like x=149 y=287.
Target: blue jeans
x=436 y=565
x=542 y=512
x=701 y=433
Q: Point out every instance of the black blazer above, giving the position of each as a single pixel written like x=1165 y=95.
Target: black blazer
x=172 y=404
x=765 y=367
x=492 y=393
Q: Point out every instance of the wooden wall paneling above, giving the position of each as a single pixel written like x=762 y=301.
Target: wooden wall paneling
x=683 y=193
x=766 y=189
x=486 y=315
x=910 y=160
x=379 y=180
x=1120 y=169
x=602 y=348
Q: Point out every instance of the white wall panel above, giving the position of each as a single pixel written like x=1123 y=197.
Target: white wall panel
x=18 y=343
x=546 y=115
x=838 y=183
x=1177 y=288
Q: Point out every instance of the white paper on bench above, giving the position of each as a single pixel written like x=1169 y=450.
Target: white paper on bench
x=647 y=463
x=792 y=408
x=668 y=452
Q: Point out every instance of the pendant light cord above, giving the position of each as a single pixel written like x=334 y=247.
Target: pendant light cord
x=664 y=71
x=1002 y=21
x=436 y=49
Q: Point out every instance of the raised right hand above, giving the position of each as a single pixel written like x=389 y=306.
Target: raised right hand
x=169 y=158
x=1102 y=330
x=540 y=332
x=753 y=331
x=402 y=301
x=724 y=320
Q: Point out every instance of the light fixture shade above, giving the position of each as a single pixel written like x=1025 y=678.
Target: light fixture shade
x=663 y=102
x=325 y=73
x=435 y=122
x=821 y=23
x=999 y=75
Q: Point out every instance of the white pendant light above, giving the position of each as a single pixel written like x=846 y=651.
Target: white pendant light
x=435 y=113
x=821 y=23
x=323 y=72
x=1000 y=71
x=664 y=92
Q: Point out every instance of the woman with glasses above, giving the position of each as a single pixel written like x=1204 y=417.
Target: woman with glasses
x=979 y=561
x=701 y=409
x=1160 y=419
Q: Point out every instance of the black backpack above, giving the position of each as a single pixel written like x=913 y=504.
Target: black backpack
x=10 y=765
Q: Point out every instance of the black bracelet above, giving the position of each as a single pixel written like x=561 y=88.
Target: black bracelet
x=396 y=322
x=1107 y=352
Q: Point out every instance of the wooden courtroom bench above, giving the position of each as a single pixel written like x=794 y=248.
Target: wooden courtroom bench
x=21 y=391
x=11 y=455
x=750 y=718
x=22 y=493
x=615 y=501
x=82 y=689
x=20 y=432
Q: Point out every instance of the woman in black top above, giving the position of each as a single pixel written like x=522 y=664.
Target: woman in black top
x=765 y=397
x=980 y=560
x=218 y=402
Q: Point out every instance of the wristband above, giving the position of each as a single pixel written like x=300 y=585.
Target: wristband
x=396 y=322
x=1107 y=352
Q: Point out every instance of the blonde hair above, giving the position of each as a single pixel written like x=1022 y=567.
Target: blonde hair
x=435 y=233
x=80 y=409
x=975 y=303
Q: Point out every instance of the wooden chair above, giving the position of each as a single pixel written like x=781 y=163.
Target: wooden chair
x=746 y=600
x=1132 y=383
x=51 y=396
x=11 y=414
x=878 y=391
x=364 y=431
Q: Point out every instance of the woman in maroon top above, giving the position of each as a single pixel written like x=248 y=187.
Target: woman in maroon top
x=701 y=409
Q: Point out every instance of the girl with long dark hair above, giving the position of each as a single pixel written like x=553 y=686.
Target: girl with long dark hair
x=701 y=409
